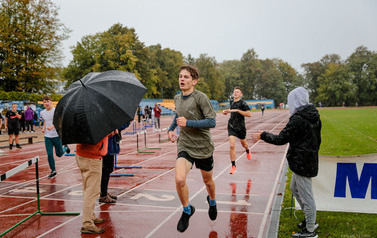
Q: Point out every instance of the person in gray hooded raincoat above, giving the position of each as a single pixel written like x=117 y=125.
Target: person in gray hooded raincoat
x=303 y=133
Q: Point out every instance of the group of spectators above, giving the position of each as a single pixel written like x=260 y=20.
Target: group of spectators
x=25 y=123
x=149 y=114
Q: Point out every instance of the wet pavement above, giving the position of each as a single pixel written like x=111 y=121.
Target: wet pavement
x=148 y=205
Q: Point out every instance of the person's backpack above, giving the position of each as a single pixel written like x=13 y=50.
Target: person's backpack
x=35 y=116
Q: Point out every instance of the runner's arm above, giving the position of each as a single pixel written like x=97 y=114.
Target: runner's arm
x=173 y=123
x=205 y=123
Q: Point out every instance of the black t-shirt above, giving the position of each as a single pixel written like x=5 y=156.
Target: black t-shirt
x=12 y=119
x=237 y=121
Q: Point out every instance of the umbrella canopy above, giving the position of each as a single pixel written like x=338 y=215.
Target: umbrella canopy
x=96 y=105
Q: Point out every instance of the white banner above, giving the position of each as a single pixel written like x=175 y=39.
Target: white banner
x=346 y=184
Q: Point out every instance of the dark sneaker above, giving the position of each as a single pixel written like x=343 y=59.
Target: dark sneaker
x=67 y=150
x=53 y=174
x=92 y=230
x=112 y=196
x=305 y=233
x=98 y=220
x=10 y=147
x=18 y=146
x=107 y=199
x=302 y=225
x=212 y=211
x=183 y=223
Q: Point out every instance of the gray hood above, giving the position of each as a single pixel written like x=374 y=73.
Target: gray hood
x=296 y=98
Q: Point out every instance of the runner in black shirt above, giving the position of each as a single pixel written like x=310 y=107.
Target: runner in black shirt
x=236 y=125
x=12 y=124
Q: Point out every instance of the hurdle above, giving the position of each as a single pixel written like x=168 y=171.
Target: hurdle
x=145 y=143
x=147 y=124
x=123 y=167
x=18 y=169
x=159 y=135
x=134 y=128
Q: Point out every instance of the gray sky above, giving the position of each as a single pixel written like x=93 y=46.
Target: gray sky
x=297 y=31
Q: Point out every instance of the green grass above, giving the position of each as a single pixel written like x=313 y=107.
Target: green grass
x=344 y=132
x=349 y=131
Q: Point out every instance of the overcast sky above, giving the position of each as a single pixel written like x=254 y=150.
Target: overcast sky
x=297 y=31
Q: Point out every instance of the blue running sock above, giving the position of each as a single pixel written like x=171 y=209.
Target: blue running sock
x=187 y=209
x=212 y=202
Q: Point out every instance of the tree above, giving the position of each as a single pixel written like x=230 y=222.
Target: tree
x=210 y=81
x=363 y=69
x=231 y=74
x=30 y=39
x=165 y=64
x=336 y=88
x=250 y=67
x=290 y=78
x=269 y=82
x=118 y=48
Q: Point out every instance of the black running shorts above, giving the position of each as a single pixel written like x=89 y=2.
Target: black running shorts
x=239 y=134
x=203 y=164
x=13 y=130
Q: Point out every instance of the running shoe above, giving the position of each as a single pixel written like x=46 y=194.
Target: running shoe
x=232 y=170
x=67 y=150
x=248 y=155
x=212 y=211
x=53 y=174
x=183 y=222
x=18 y=146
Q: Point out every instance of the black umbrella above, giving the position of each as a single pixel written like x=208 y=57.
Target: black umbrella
x=96 y=105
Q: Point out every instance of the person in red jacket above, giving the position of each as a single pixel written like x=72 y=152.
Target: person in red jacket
x=89 y=161
x=157 y=115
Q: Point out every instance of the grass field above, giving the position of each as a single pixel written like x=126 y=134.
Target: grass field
x=344 y=132
x=349 y=131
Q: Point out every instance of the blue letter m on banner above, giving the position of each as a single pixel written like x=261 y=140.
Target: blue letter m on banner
x=358 y=187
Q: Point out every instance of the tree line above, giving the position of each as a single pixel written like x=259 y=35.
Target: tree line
x=30 y=56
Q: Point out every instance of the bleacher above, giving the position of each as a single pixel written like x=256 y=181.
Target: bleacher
x=151 y=102
x=167 y=105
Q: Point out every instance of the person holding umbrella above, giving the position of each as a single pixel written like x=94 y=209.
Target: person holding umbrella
x=195 y=116
x=88 y=158
x=87 y=115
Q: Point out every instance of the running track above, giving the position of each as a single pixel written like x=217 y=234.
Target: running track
x=148 y=205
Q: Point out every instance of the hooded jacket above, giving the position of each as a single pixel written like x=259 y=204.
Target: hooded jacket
x=303 y=133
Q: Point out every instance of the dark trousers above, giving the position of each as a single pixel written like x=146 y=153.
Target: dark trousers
x=29 y=123
x=22 y=125
x=50 y=143
x=107 y=169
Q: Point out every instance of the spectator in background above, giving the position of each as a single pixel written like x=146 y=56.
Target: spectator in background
x=157 y=115
x=108 y=165
x=29 y=116
x=12 y=125
x=303 y=133
x=22 y=121
x=1 y=122
x=139 y=114
x=262 y=109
